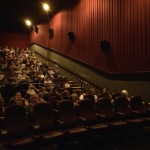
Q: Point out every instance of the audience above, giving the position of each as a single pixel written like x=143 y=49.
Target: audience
x=33 y=78
x=33 y=82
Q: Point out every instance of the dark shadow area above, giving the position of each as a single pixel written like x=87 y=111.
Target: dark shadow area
x=14 y=13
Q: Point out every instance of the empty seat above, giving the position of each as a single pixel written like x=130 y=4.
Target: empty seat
x=87 y=115
x=17 y=129
x=137 y=106
x=68 y=120
x=44 y=124
x=121 y=105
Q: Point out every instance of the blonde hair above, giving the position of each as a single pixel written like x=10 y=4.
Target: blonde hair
x=124 y=93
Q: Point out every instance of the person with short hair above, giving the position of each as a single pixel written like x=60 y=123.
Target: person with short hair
x=125 y=94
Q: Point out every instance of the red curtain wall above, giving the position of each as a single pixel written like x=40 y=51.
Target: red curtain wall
x=124 y=23
x=14 y=40
x=42 y=36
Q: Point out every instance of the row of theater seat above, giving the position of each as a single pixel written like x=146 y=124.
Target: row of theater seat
x=67 y=122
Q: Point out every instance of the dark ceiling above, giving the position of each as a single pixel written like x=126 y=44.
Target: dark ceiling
x=14 y=12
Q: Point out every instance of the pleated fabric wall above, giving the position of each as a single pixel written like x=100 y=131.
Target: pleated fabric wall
x=124 y=23
x=42 y=37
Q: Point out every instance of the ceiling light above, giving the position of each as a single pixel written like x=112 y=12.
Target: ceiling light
x=46 y=7
x=28 y=22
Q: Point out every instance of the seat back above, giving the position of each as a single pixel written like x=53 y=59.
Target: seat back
x=53 y=101
x=67 y=114
x=89 y=96
x=86 y=110
x=136 y=104
x=46 y=97
x=15 y=120
x=122 y=105
x=115 y=94
x=43 y=116
x=105 y=107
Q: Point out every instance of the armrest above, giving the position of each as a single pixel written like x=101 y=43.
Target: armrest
x=1 y=118
x=147 y=110
x=4 y=136
x=55 y=110
x=119 y=114
x=36 y=127
x=101 y=116
x=3 y=132
x=61 y=126
x=55 y=113
x=81 y=119
x=60 y=122
x=136 y=112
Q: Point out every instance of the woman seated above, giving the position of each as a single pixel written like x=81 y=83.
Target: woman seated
x=18 y=99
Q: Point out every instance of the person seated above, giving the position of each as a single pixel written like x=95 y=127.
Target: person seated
x=125 y=94
x=44 y=94
x=48 y=83
x=65 y=95
x=105 y=93
x=39 y=82
x=31 y=90
x=34 y=99
x=18 y=99
x=14 y=80
x=41 y=74
x=74 y=98
x=21 y=76
x=90 y=91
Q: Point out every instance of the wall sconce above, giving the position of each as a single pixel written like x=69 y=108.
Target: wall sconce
x=51 y=33
x=36 y=29
x=105 y=45
x=71 y=36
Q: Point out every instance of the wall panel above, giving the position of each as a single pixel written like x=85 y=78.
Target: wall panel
x=14 y=40
x=124 y=23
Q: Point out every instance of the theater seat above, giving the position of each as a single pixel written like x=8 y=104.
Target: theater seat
x=137 y=106
x=68 y=120
x=89 y=118
x=89 y=96
x=104 y=108
x=106 y=111
x=18 y=133
x=44 y=124
x=122 y=107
